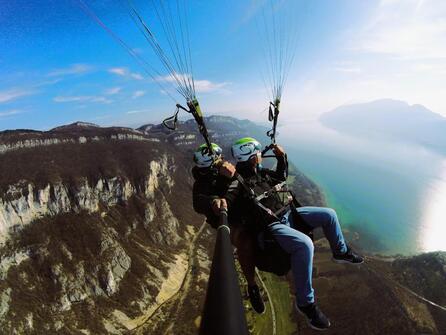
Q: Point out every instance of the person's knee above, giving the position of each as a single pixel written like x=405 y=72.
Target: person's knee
x=308 y=246
x=330 y=215
x=304 y=246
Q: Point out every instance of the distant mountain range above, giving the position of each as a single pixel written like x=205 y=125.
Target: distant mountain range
x=391 y=119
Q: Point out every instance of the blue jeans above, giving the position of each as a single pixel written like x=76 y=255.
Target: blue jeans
x=301 y=248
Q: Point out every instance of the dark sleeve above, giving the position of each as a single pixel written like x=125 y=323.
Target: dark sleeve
x=202 y=198
x=222 y=185
x=232 y=192
x=281 y=172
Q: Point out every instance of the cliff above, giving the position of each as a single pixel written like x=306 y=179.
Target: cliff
x=90 y=231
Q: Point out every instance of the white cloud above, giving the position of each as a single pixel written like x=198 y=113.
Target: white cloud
x=70 y=98
x=136 y=76
x=405 y=29
x=251 y=11
x=138 y=94
x=167 y=79
x=346 y=69
x=120 y=71
x=255 y=7
x=124 y=72
x=113 y=90
x=398 y=51
x=201 y=86
x=82 y=98
x=10 y=112
x=137 y=112
x=13 y=94
x=206 y=86
x=71 y=70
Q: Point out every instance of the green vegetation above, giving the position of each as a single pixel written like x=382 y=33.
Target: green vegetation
x=282 y=304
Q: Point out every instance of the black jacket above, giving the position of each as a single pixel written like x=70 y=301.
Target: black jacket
x=241 y=208
x=208 y=185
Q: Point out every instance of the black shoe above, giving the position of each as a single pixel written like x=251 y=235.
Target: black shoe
x=315 y=318
x=256 y=299
x=348 y=257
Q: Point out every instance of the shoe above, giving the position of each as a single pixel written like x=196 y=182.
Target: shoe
x=348 y=257
x=256 y=299
x=315 y=318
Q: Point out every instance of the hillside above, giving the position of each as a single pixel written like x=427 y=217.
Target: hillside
x=98 y=236
x=390 y=119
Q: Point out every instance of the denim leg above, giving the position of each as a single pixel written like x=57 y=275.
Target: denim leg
x=327 y=219
x=301 y=249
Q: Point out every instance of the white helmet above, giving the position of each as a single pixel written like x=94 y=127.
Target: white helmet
x=245 y=148
x=203 y=158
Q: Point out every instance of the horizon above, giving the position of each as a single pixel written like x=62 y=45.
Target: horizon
x=59 y=66
x=186 y=117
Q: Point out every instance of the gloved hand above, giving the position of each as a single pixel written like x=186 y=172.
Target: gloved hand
x=227 y=169
x=218 y=204
x=278 y=150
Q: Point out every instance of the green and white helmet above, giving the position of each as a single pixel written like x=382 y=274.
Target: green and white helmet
x=245 y=148
x=203 y=158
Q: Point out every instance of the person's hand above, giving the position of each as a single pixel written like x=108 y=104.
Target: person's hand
x=218 y=204
x=227 y=170
x=278 y=150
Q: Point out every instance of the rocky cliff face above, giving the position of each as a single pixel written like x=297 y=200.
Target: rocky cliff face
x=23 y=202
x=90 y=233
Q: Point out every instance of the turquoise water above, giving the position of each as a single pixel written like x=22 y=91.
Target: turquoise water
x=392 y=195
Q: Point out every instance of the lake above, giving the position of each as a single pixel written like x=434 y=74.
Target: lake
x=392 y=195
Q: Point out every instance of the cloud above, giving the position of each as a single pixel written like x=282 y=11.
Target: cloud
x=120 y=71
x=138 y=94
x=346 y=69
x=166 y=79
x=251 y=11
x=124 y=72
x=405 y=29
x=71 y=70
x=82 y=98
x=11 y=112
x=201 y=86
x=136 y=76
x=206 y=86
x=434 y=68
x=48 y=82
x=137 y=111
x=13 y=94
x=113 y=90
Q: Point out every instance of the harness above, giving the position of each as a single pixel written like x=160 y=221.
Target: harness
x=271 y=257
x=290 y=203
x=256 y=199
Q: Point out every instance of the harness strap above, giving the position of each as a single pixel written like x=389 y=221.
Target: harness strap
x=282 y=210
x=252 y=196
x=257 y=199
x=274 y=189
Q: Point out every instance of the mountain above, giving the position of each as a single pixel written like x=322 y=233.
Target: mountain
x=98 y=236
x=390 y=119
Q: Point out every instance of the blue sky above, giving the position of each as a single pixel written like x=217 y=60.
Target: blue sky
x=58 y=66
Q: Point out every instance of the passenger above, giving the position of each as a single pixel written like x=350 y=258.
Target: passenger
x=212 y=177
x=247 y=152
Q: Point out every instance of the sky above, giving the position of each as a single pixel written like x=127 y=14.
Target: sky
x=59 y=66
